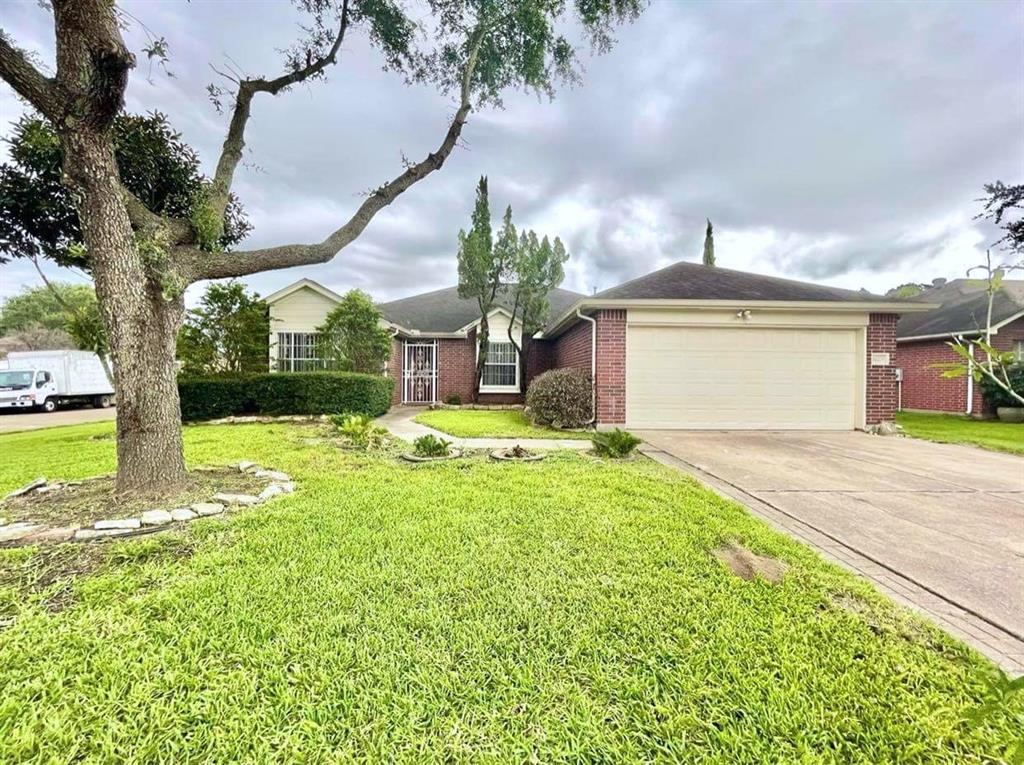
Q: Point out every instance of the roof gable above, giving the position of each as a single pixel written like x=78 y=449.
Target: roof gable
x=294 y=287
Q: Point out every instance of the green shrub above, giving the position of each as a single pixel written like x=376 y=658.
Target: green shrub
x=615 y=443
x=560 y=398
x=285 y=393
x=208 y=398
x=361 y=431
x=453 y=400
x=431 y=446
x=995 y=396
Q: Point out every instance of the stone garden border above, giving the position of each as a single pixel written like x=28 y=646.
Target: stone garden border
x=24 y=533
x=482 y=407
x=501 y=455
x=264 y=419
x=452 y=455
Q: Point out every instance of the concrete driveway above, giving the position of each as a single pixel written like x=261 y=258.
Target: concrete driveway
x=13 y=421
x=948 y=518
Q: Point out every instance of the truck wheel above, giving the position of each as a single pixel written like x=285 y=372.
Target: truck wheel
x=101 y=402
x=48 y=406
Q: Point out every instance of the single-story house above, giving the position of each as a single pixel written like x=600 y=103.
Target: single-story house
x=922 y=341
x=688 y=346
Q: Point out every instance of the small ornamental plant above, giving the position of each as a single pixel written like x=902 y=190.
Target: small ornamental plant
x=360 y=431
x=453 y=400
x=615 y=443
x=431 y=446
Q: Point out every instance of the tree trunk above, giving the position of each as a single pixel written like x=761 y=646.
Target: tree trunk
x=150 y=453
x=141 y=322
x=483 y=336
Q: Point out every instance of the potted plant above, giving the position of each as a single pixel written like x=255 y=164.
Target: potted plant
x=1007 y=408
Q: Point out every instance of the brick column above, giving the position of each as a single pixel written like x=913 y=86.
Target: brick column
x=611 y=366
x=395 y=370
x=881 y=380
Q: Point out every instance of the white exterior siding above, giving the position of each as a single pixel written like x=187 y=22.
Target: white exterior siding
x=302 y=311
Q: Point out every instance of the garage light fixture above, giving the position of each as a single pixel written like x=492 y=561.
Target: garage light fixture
x=743 y=314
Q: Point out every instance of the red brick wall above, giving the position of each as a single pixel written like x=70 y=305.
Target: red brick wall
x=573 y=348
x=924 y=387
x=881 y=381
x=539 y=359
x=456 y=369
x=1009 y=335
x=394 y=370
x=611 y=366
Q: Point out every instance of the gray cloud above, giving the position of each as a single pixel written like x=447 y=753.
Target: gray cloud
x=836 y=142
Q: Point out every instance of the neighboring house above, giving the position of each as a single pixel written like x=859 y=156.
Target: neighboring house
x=689 y=346
x=922 y=341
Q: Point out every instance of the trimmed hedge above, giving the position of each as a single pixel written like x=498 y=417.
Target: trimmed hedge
x=560 y=398
x=284 y=393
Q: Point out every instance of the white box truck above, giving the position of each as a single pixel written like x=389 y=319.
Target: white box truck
x=44 y=380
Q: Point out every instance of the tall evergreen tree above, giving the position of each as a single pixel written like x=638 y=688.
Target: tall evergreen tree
x=537 y=268
x=709 y=246
x=483 y=266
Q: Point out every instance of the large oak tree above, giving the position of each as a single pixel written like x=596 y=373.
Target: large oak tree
x=142 y=261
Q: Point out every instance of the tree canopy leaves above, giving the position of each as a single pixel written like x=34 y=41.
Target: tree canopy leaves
x=226 y=334
x=38 y=306
x=37 y=214
x=523 y=44
x=352 y=339
x=1003 y=206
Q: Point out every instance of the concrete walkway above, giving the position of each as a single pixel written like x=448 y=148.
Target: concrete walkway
x=400 y=422
x=936 y=527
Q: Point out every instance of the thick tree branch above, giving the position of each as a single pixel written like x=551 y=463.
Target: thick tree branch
x=234 y=143
x=92 y=60
x=27 y=81
x=201 y=265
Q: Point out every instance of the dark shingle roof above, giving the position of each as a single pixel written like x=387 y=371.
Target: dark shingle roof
x=695 y=281
x=444 y=311
x=963 y=309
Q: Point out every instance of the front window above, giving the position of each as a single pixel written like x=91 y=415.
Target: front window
x=296 y=352
x=500 y=367
x=15 y=380
x=1019 y=351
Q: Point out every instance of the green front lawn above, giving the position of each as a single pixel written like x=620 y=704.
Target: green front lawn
x=955 y=429
x=563 y=611
x=490 y=423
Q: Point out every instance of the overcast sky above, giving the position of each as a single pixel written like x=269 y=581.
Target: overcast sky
x=843 y=143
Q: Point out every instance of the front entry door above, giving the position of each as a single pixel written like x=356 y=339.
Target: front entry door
x=419 y=372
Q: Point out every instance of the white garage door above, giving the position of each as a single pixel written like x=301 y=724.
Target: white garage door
x=742 y=378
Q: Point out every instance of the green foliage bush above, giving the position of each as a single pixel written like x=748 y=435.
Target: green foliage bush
x=995 y=396
x=615 y=443
x=284 y=393
x=560 y=398
x=453 y=400
x=431 y=446
x=361 y=431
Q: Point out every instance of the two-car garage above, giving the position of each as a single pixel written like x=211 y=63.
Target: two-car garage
x=720 y=371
